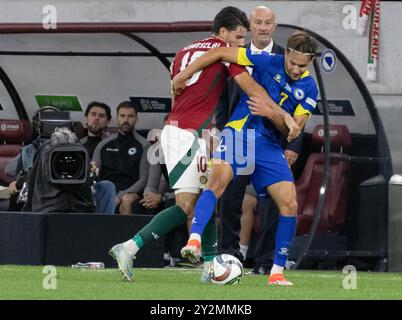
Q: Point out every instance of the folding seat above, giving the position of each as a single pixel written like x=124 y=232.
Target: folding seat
x=309 y=184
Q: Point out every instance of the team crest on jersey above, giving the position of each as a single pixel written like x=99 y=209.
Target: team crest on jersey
x=299 y=94
x=203 y=180
x=132 y=151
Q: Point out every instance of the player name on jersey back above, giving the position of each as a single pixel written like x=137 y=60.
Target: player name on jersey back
x=202 y=45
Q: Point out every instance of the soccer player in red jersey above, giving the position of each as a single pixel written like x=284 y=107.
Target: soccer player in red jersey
x=184 y=152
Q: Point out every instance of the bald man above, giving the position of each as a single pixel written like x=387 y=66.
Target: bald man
x=262 y=27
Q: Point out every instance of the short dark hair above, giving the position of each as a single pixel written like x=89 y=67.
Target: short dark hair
x=302 y=42
x=230 y=18
x=126 y=104
x=102 y=105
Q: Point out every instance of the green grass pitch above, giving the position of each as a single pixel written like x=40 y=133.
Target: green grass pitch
x=26 y=282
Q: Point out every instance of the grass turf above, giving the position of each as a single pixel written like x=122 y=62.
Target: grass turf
x=26 y=282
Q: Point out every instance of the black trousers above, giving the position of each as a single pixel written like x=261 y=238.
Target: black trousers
x=268 y=213
x=230 y=210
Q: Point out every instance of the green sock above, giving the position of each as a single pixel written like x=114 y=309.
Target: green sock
x=162 y=223
x=209 y=240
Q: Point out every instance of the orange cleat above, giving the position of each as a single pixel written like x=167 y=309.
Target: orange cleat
x=278 y=279
x=192 y=251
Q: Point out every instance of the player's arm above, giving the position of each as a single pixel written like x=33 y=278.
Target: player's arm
x=172 y=101
x=171 y=85
x=305 y=108
x=261 y=104
x=301 y=120
x=228 y=54
x=240 y=56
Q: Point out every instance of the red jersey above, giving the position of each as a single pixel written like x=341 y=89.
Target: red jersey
x=194 y=107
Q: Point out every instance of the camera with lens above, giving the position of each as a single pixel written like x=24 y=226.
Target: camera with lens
x=59 y=180
x=68 y=161
x=68 y=164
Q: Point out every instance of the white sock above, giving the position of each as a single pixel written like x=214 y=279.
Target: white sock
x=276 y=269
x=243 y=250
x=131 y=247
x=195 y=236
x=206 y=265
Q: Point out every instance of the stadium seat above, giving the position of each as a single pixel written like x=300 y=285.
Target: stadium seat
x=13 y=135
x=308 y=186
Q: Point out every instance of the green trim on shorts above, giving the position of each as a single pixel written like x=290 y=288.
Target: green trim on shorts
x=180 y=167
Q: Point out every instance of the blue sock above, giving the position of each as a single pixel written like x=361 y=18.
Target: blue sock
x=203 y=211
x=284 y=238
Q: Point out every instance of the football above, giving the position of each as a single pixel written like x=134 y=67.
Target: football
x=225 y=270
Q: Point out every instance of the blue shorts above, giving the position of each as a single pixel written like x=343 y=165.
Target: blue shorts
x=253 y=155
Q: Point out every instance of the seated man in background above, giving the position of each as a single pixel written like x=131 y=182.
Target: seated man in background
x=97 y=118
x=122 y=159
x=159 y=196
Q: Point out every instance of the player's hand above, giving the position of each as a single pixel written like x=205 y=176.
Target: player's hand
x=12 y=187
x=94 y=168
x=294 y=129
x=151 y=200
x=178 y=84
x=291 y=156
x=259 y=106
x=212 y=138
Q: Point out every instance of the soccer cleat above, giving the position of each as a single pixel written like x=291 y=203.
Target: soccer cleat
x=124 y=261
x=278 y=279
x=192 y=251
x=257 y=271
x=205 y=277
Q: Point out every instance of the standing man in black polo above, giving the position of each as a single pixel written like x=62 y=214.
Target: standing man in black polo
x=262 y=27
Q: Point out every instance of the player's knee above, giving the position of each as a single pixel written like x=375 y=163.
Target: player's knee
x=127 y=199
x=190 y=215
x=293 y=208
x=216 y=186
x=289 y=207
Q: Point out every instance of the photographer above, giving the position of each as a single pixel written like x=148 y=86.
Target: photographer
x=20 y=166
